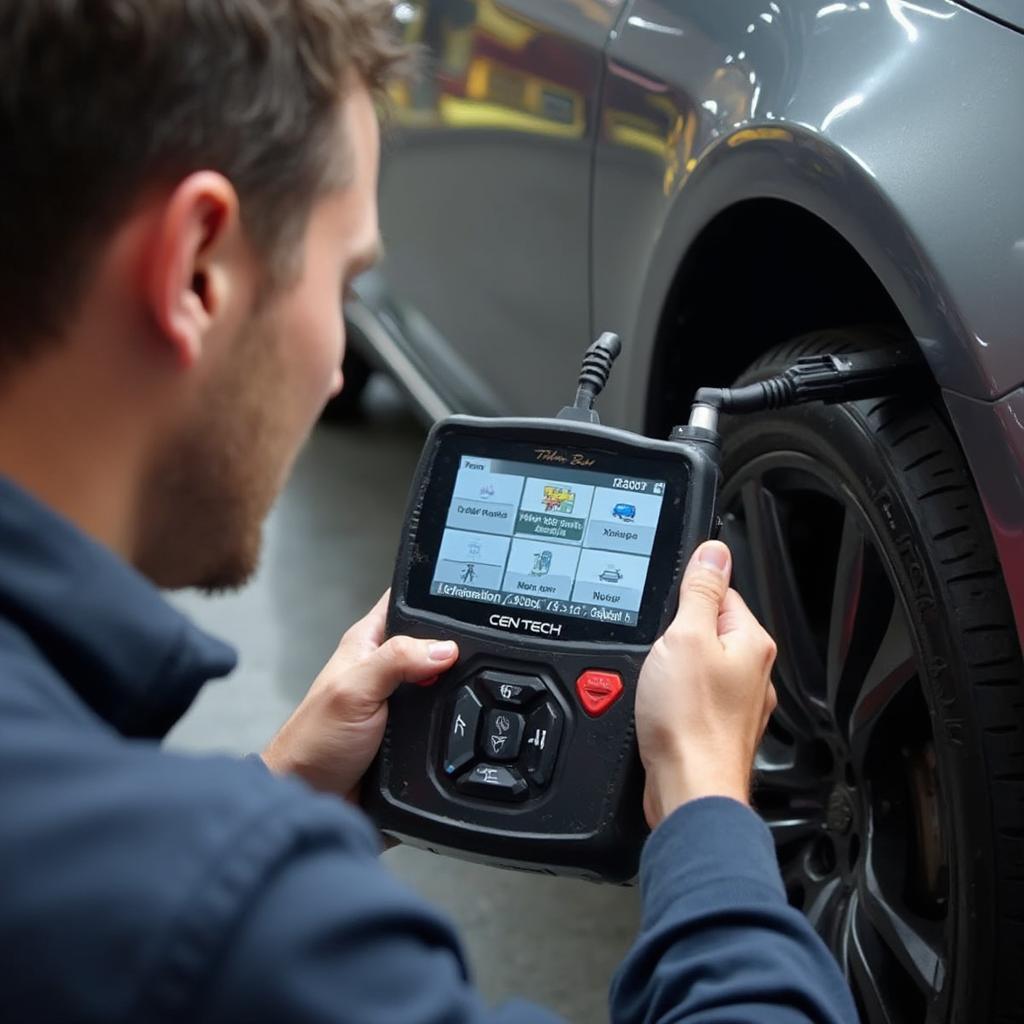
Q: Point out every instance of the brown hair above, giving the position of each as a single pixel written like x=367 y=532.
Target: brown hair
x=101 y=100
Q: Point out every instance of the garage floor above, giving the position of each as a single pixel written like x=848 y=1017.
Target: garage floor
x=328 y=556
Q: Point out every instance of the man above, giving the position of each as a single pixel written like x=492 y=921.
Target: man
x=188 y=187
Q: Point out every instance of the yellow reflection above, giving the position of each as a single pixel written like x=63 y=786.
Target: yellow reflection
x=461 y=113
x=481 y=83
x=659 y=128
x=635 y=131
x=500 y=96
x=679 y=152
x=755 y=134
x=502 y=27
x=601 y=11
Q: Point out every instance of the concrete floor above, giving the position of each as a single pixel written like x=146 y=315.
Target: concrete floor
x=329 y=550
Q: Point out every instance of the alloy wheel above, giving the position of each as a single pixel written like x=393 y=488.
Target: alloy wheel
x=847 y=778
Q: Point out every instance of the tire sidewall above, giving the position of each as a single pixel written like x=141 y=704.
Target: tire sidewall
x=842 y=439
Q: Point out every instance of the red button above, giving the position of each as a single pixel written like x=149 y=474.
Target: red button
x=598 y=690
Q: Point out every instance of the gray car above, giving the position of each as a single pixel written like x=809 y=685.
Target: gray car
x=729 y=184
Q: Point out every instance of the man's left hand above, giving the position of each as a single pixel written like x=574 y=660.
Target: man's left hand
x=335 y=732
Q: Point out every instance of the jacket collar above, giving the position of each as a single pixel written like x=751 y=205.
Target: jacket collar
x=135 y=660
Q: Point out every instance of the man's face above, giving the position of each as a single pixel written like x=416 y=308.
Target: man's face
x=218 y=477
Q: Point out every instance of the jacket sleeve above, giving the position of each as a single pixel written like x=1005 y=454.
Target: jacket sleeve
x=334 y=938
x=718 y=942
x=331 y=937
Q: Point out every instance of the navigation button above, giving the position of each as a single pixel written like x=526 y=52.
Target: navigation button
x=502 y=736
x=462 y=729
x=543 y=731
x=493 y=781
x=510 y=689
x=598 y=690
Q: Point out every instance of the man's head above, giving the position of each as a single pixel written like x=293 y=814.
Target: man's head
x=187 y=190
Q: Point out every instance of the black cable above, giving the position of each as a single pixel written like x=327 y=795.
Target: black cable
x=594 y=374
x=825 y=378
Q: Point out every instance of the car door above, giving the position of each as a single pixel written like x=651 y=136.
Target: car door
x=485 y=194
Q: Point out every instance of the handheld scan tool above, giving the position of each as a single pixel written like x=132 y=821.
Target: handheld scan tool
x=551 y=550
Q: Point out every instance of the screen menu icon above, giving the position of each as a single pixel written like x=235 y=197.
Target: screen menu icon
x=555 y=509
x=577 y=544
x=623 y=524
x=547 y=570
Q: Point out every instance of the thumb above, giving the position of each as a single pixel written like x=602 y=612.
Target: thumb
x=705 y=585
x=404 y=659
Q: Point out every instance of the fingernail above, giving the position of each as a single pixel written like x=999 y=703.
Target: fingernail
x=429 y=681
x=714 y=555
x=442 y=650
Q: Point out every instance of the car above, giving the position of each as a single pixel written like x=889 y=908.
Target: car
x=730 y=186
x=610 y=575
x=624 y=511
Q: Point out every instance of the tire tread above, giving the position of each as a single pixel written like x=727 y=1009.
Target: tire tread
x=916 y=437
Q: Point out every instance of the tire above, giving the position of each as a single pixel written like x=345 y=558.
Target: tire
x=347 y=405
x=892 y=775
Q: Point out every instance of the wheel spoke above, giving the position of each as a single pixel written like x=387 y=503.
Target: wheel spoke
x=779 y=600
x=787 y=794
x=744 y=577
x=823 y=899
x=861 y=972
x=824 y=908
x=787 y=772
x=787 y=829
x=893 y=666
x=915 y=943
x=778 y=774
x=846 y=597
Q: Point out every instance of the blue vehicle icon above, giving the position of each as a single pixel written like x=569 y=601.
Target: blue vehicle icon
x=625 y=512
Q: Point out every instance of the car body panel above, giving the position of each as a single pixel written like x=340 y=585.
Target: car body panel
x=894 y=123
x=487 y=175
x=1010 y=12
x=687 y=128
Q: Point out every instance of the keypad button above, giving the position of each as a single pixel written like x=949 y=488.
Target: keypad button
x=598 y=690
x=543 y=731
x=509 y=689
x=502 y=735
x=460 y=748
x=494 y=782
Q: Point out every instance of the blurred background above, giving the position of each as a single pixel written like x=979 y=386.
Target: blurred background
x=328 y=555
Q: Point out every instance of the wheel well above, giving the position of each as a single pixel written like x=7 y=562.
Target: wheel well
x=762 y=272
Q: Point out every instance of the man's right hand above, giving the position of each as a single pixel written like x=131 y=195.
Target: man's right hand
x=705 y=693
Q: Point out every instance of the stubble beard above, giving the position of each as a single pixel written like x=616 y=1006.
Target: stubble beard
x=213 y=485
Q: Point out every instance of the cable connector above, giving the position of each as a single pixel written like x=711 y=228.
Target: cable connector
x=826 y=378
x=594 y=374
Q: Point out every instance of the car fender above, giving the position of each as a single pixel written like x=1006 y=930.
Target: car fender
x=860 y=127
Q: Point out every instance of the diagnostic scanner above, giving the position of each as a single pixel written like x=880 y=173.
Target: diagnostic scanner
x=551 y=550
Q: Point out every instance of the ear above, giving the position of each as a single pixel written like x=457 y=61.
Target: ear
x=189 y=270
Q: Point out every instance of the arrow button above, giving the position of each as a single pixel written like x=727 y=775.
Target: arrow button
x=462 y=730
x=543 y=731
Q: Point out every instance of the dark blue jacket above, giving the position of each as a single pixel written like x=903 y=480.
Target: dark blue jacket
x=138 y=885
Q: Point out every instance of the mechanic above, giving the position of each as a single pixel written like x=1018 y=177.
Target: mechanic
x=188 y=187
